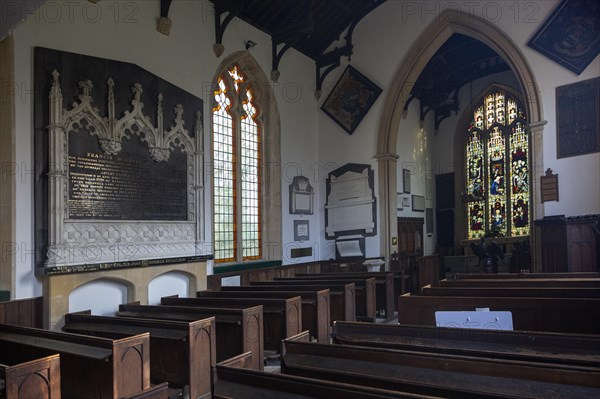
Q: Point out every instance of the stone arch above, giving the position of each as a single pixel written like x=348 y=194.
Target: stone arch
x=271 y=142
x=434 y=36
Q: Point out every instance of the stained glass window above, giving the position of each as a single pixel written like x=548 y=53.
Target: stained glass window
x=236 y=169
x=497 y=169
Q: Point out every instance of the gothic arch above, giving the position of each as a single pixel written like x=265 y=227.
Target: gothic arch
x=434 y=36
x=271 y=172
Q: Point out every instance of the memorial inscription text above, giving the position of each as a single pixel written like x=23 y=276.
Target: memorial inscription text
x=127 y=186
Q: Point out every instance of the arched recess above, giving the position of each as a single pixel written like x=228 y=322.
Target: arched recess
x=271 y=141
x=170 y=283
x=435 y=35
x=102 y=296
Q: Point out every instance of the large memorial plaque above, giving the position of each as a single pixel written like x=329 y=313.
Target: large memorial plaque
x=119 y=158
x=127 y=186
x=351 y=206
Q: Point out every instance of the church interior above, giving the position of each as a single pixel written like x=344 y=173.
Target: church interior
x=329 y=186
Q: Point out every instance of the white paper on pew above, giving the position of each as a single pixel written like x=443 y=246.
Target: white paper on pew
x=232 y=281
x=497 y=320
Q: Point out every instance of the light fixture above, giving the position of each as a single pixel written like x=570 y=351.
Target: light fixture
x=249 y=44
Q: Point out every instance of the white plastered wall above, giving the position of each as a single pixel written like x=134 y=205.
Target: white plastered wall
x=126 y=31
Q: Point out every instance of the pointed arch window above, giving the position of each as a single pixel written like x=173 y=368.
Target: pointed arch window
x=497 y=169
x=237 y=132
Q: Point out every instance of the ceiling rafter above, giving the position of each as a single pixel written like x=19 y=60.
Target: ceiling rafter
x=308 y=26
x=459 y=61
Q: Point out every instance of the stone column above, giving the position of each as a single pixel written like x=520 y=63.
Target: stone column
x=387 y=164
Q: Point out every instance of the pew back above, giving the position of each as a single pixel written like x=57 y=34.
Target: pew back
x=181 y=353
x=237 y=330
x=91 y=367
x=563 y=315
x=315 y=306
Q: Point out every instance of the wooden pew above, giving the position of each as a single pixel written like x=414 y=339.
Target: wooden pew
x=235 y=382
x=563 y=315
x=364 y=290
x=522 y=282
x=553 y=348
x=26 y=312
x=541 y=292
x=90 y=367
x=158 y=391
x=181 y=353
x=237 y=330
x=490 y=276
x=445 y=375
x=282 y=317
x=342 y=297
x=37 y=378
x=315 y=306
x=387 y=287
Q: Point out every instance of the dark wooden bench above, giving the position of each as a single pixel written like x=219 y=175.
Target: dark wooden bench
x=493 y=276
x=364 y=290
x=181 y=353
x=235 y=382
x=237 y=330
x=90 y=367
x=563 y=315
x=387 y=287
x=541 y=292
x=445 y=375
x=553 y=348
x=282 y=317
x=524 y=282
x=26 y=312
x=158 y=391
x=315 y=306
x=342 y=298
x=37 y=378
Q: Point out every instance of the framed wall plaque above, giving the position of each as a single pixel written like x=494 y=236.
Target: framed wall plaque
x=578 y=118
x=571 y=35
x=406 y=180
x=418 y=203
x=301 y=196
x=350 y=100
x=301 y=230
x=549 y=186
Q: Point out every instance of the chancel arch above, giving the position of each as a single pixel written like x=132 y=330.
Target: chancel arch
x=424 y=48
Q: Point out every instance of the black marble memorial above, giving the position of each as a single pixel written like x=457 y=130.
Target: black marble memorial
x=129 y=186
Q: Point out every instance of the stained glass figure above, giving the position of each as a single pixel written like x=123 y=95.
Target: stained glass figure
x=497 y=169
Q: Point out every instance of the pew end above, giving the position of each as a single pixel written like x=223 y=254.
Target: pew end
x=241 y=361
x=22 y=381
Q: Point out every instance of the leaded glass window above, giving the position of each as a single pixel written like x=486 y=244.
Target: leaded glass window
x=236 y=169
x=497 y=169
